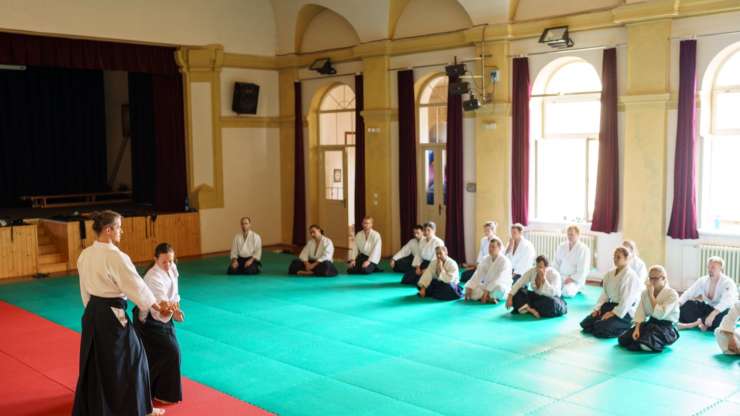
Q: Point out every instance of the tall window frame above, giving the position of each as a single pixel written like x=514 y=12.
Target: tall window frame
x=432 y=149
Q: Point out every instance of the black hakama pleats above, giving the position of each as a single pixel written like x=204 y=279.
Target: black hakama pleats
x=546 y=306
x=403 y=265
x=655 y=335
x=443 y=291
x=324 y=269
x=411 y=278
x=163 y=354
x=610 y=328
x=241 y=268
x=467 y=275
x=114 y=372
x=358 y=269
x=693 y=310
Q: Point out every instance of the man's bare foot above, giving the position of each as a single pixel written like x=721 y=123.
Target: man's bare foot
x=689 y=325
x=523 y=309
x=422 y=292
x=163 y=401
x=304 y=273
x=534 y=313
x=702 y=326
x=156 y=412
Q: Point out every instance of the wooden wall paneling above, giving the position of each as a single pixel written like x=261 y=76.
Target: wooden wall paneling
x=18 y=251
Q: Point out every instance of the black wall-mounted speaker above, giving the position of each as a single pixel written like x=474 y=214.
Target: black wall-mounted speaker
x=246 y=97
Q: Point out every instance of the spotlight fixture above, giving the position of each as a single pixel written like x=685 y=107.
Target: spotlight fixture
x=471 y=104
x=556 y=37
x=455 y=70
x=459 y=87
x=323 y=66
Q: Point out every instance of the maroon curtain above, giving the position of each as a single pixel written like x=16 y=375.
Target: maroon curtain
x=359 y=152
x=683 y=223
x=455 y=188
x=520 y=142
x=170 y=187
x=299 y=181
x=49 y=51
x=606 y=207
x=407 y=185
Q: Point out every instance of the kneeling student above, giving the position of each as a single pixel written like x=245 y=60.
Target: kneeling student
x=538 y=292
x=440 y=280
x=316 y=257
x=709 y=299
x=157 y=331
x=401 y=261
x=427 y=247
x=365 y=255
x=246 y=251
x=656 y=316
x=492 y=278
x=728 y=337
x=617 y=304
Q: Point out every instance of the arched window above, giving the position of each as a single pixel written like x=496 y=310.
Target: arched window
x=336 y=134
x=565 y=110
x=433 y=155
x=719 y=200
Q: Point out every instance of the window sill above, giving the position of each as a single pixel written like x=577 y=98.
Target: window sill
x=708 y=234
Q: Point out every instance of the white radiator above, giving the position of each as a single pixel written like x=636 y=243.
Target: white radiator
x=730 y=254
x=546 y=243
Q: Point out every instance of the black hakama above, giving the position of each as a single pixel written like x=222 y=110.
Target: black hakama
x=163 y=354
x=546 y=306
x=255 y=268
x=114 y=372
x=324 y=269
x=411 y=278
x=443 y=291
x=404 y=264
x=693 y=310
x=610 y=328
x=358 y=269
x=467 y=275
x=655 y=335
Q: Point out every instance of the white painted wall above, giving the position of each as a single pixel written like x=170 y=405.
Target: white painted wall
x=421 y=17
x=328 y=30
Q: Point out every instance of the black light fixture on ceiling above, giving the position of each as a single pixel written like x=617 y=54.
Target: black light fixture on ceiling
x=455 y=70
x=556 y=37
x=471 y=104
x=459 y=87
x=323 y=66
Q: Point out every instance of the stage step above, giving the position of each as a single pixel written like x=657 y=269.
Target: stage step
x=47 y=249
x=45 y=240
x=51 y=258
x=53 y=267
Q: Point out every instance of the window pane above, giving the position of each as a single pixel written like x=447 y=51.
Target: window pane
x=727 y=111
x=729 y=74
x=340 y=97
x=576 y=76
x=429 y=176
x=328 y=128
x=561 y=180
x=572 y=117
x=721 y=201
x=435 y=91
x=333 y=175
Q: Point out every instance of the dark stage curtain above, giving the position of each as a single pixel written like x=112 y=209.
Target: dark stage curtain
x=52 y=133
x=407 y=185
x=520 y=142
x=48 y=51
x=299 y=177
x=606 y=207
x=454 y=223
x=683 y=223
x=359 y=152
x=143 y=148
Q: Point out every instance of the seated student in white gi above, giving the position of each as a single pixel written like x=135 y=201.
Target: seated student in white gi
x=656 y=316
x=491 y=281
x=617 y=304
x=316 y=257
x=157 y=331
x=709 y=299
x=573 y=261
x=520 y=251
x=489 y=231
x=427 y=247
x=246 y=250
x=636 y=263
x=401 y=261
x=365 y=253
x=728 y=335
x=538 y=292
x=441 y=279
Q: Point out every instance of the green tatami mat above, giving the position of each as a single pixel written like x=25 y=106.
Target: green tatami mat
x=365 y=345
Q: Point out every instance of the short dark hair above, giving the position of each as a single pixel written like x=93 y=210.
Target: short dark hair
x=102 y=219
x=542 y=259
x=418 y=227
x=162 y=248
x=316 y=227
